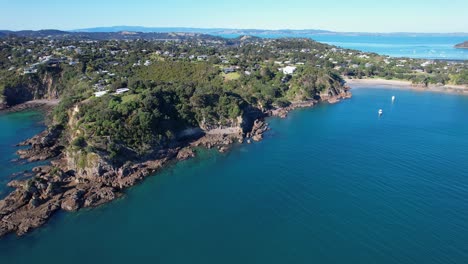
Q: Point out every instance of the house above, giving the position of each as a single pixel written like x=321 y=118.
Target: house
x=427 y=63
x=121 y=90
x=289 y=70
x=100 y=94
x=29 y=71
x=228 y=70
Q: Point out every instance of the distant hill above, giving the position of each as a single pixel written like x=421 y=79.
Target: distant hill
x=463 y=45
x=217 y=31
x=134 y=32
x=120 y=35
x=256 y=32
x=32 y=33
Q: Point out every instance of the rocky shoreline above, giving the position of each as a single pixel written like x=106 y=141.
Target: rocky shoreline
x=56 y=187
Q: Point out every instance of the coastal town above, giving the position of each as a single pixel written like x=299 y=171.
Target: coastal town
x=107 y=64
x=129 y=103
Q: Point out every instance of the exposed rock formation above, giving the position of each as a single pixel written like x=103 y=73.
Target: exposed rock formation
x=78 y=178
x=32 y=87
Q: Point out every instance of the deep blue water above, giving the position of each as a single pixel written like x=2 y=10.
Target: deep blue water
x=331 y=184
x=418 y=46
x=15 y=128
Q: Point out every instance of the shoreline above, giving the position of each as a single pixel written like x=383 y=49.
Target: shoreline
x=41 y=104
x=405 y=85
x=55 y=188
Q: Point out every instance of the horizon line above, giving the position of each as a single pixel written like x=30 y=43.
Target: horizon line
x=228 y=28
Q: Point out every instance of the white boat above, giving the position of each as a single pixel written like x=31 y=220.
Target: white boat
x=393 y=99
x=380 y=112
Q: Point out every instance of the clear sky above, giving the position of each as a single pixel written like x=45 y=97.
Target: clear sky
x=337 y=15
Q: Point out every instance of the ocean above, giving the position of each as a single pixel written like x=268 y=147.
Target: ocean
x=329 y=184
x=16 y=127
x=411 y=46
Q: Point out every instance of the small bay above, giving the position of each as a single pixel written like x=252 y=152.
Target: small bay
x=439 y=46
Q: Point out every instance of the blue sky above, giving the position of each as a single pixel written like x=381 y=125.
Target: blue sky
x=351 y=15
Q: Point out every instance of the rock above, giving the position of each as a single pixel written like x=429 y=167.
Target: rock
x=25 y=217
x=43 y=146
x=34 y=202
x=98 y=196
x=185 y=153
x=51 y=137
x=223 y=149
x=42 y=169
x=70 y=205
x=72 y=200
x=257 y=138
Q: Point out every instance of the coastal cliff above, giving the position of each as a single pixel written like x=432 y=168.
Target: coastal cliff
x=81 y=177
x=121 y=119
x=29 y=87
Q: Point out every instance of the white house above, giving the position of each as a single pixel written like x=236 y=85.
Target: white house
x=99 y=94
x=121 y=90
x=289 y=69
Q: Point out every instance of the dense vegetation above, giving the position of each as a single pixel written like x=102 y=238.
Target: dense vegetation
x=176 y=84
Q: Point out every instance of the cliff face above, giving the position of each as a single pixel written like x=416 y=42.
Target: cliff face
x=334 y=93
x=30 y=88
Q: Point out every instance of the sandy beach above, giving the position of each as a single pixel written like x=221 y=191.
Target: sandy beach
x=398 y=84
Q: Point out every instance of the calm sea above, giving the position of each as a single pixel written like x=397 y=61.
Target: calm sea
x=15 y=128
x=331 y=184
x=418 y=46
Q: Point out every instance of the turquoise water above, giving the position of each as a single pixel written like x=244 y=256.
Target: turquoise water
x=333 y=184
x=15 y=128
x=419 y=46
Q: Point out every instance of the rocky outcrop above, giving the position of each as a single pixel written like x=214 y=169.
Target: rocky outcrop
x=52 y=188
x=185 y=153
x=335 y=93
x=258 y=129
x=43 y=146
x=332 y=95
x=31 y=87
x=78 y=178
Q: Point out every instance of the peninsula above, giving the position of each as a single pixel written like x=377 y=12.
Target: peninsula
x=463 y=45
x=130 y=102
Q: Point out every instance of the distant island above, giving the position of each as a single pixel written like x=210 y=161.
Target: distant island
x=463 y=45
x=127 y=103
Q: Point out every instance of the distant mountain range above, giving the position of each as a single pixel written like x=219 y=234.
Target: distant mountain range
x=121 y=35
x=133 y=32
x=257 y=32
x=215 y=31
